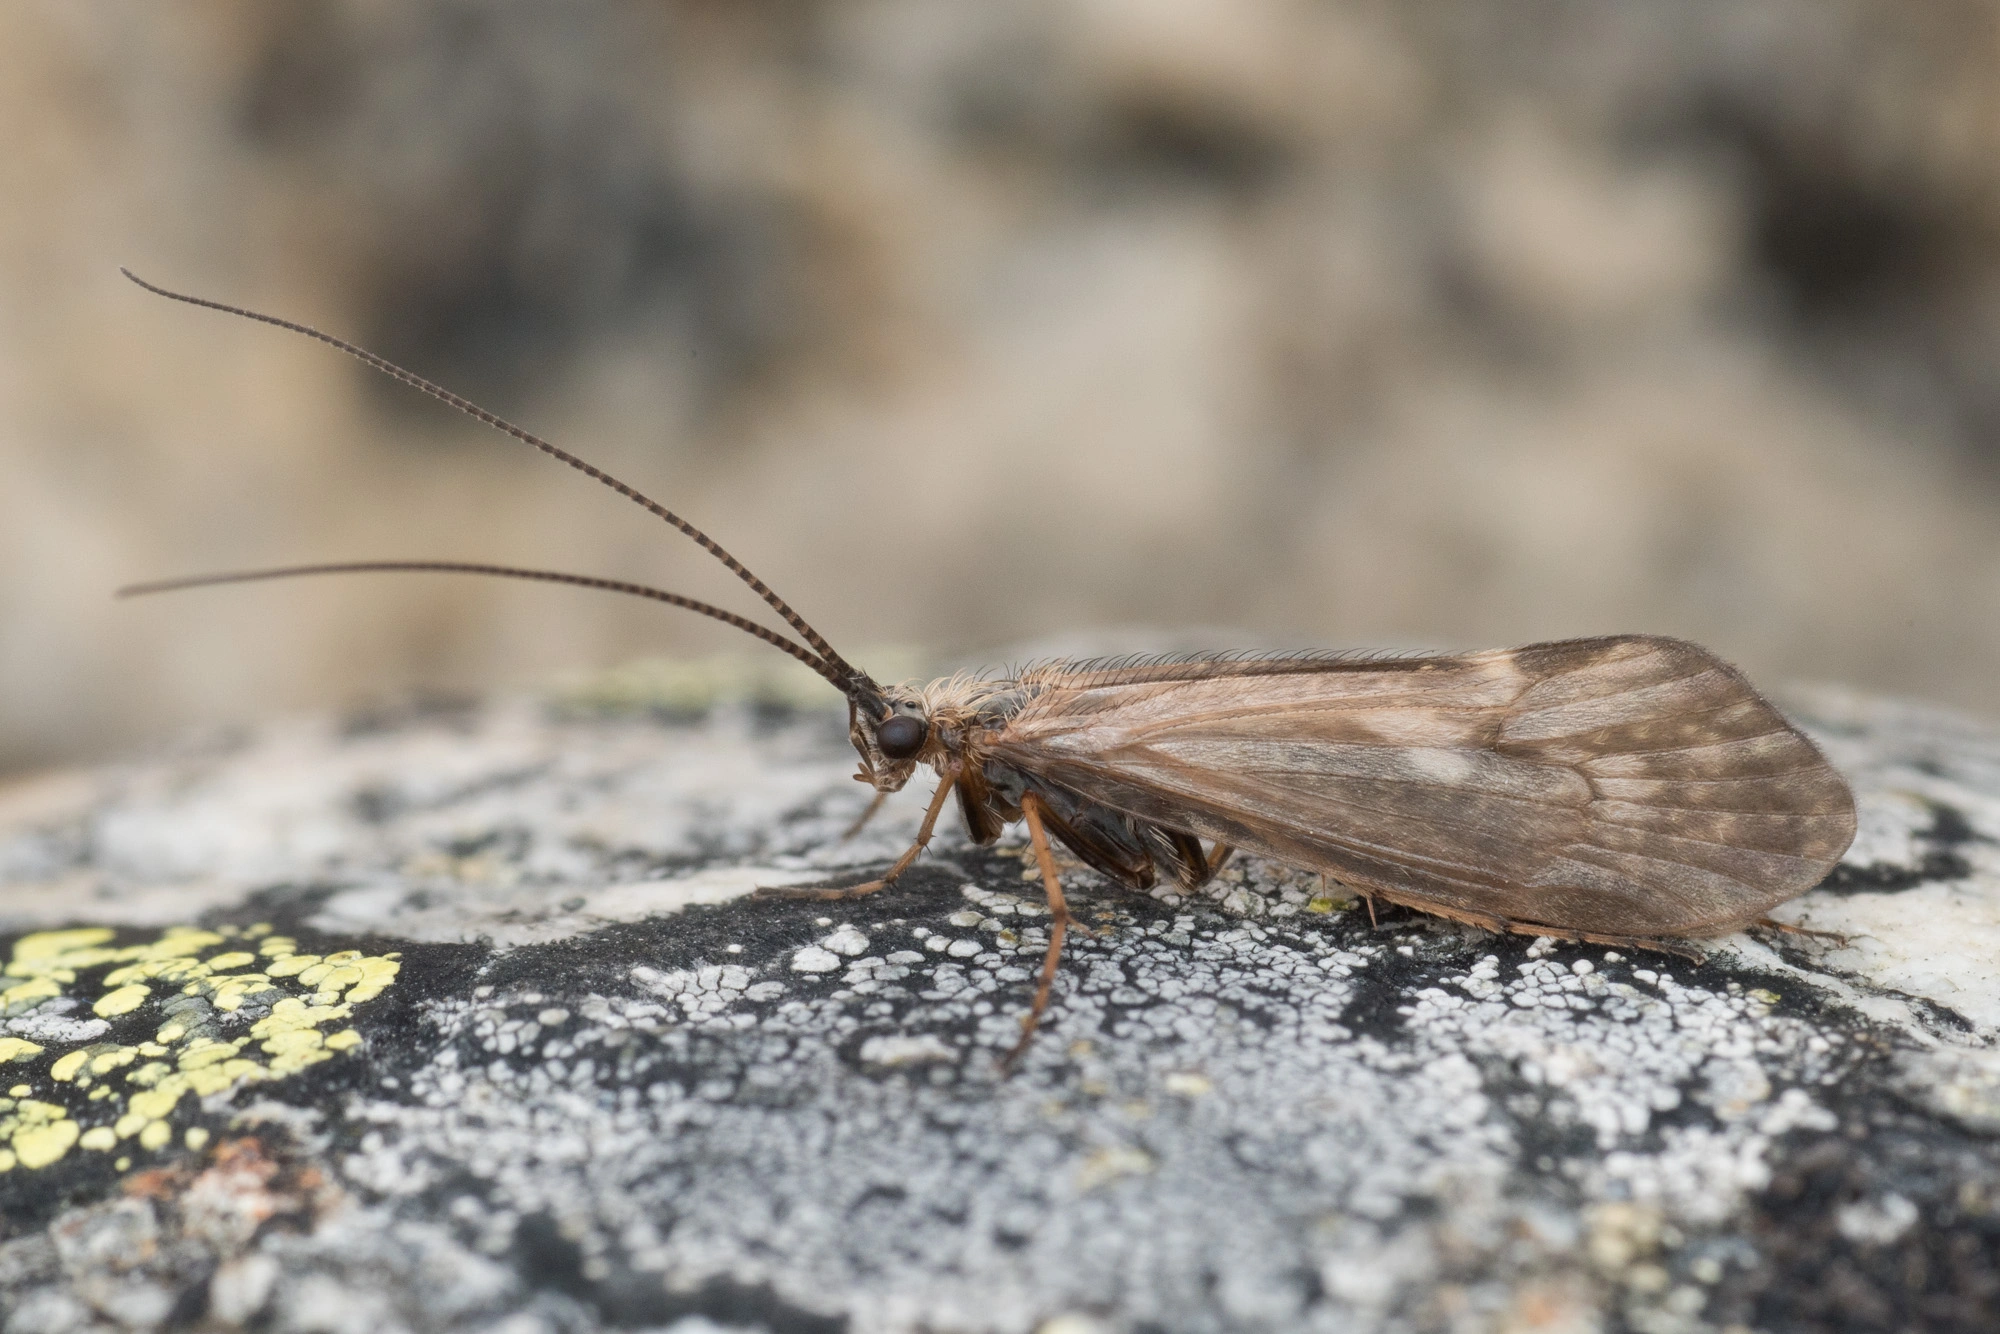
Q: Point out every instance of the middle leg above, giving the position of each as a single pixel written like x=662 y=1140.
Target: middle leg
x=1059 y=923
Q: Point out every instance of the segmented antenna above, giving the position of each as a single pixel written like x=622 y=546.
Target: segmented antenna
x=742 y=623
x=477 y=413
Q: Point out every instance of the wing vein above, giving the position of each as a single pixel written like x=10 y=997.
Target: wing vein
x=1484 y=794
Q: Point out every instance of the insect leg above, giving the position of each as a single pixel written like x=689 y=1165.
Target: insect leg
x=1678 y=948
x=1773 y=924
x=1221 y=853
x=1326 y=892
x=861 y=820
x=828 y=892
x=1059 y=921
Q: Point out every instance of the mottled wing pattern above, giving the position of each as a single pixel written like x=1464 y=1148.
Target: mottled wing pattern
x=1625 y=786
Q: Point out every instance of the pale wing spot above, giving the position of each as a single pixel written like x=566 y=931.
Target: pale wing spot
x=1703 y=692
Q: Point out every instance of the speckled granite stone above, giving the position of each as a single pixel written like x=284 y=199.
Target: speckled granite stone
x=591 y=1085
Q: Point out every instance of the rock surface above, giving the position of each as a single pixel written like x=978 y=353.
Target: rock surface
x=459 y=1018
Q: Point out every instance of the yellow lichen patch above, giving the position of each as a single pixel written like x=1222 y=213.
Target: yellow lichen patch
x=58 y=954
x=207 y=1051
x=291 y=1033
x=88 y=1064
x=47 y=944
x=208 y=1027
x=291 y=1014
x=226 y=1074
x=104 y=1062
x=178 y=941
x=37 y=1133
x=38 y=1146
x=361 y=977
x=335 y=973
x=377 y=976
x=155 y=1103
x=23 y=995
x=297 y=1049
x=122 y=1001
x=61 y=955
x=229 y=993
x=291 y=965
x=176 y=969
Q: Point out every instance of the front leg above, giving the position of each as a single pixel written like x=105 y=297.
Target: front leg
x=861 y=820
x=946 y=781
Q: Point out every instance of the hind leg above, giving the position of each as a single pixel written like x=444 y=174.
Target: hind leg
x=1505 y=925
x=1788 y=928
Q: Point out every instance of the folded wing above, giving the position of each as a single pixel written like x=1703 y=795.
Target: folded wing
x=1627 y=786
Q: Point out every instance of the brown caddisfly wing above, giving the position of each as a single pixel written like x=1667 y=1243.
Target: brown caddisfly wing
x=1622 y=787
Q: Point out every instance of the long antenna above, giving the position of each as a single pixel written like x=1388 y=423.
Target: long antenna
x=477 y=413
x=799 y=651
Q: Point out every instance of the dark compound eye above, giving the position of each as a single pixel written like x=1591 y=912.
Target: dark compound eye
x=902 y=736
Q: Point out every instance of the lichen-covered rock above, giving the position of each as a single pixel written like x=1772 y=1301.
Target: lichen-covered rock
x=463 y=1019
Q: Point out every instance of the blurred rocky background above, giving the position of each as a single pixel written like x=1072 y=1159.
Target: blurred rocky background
x=1368 y=324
